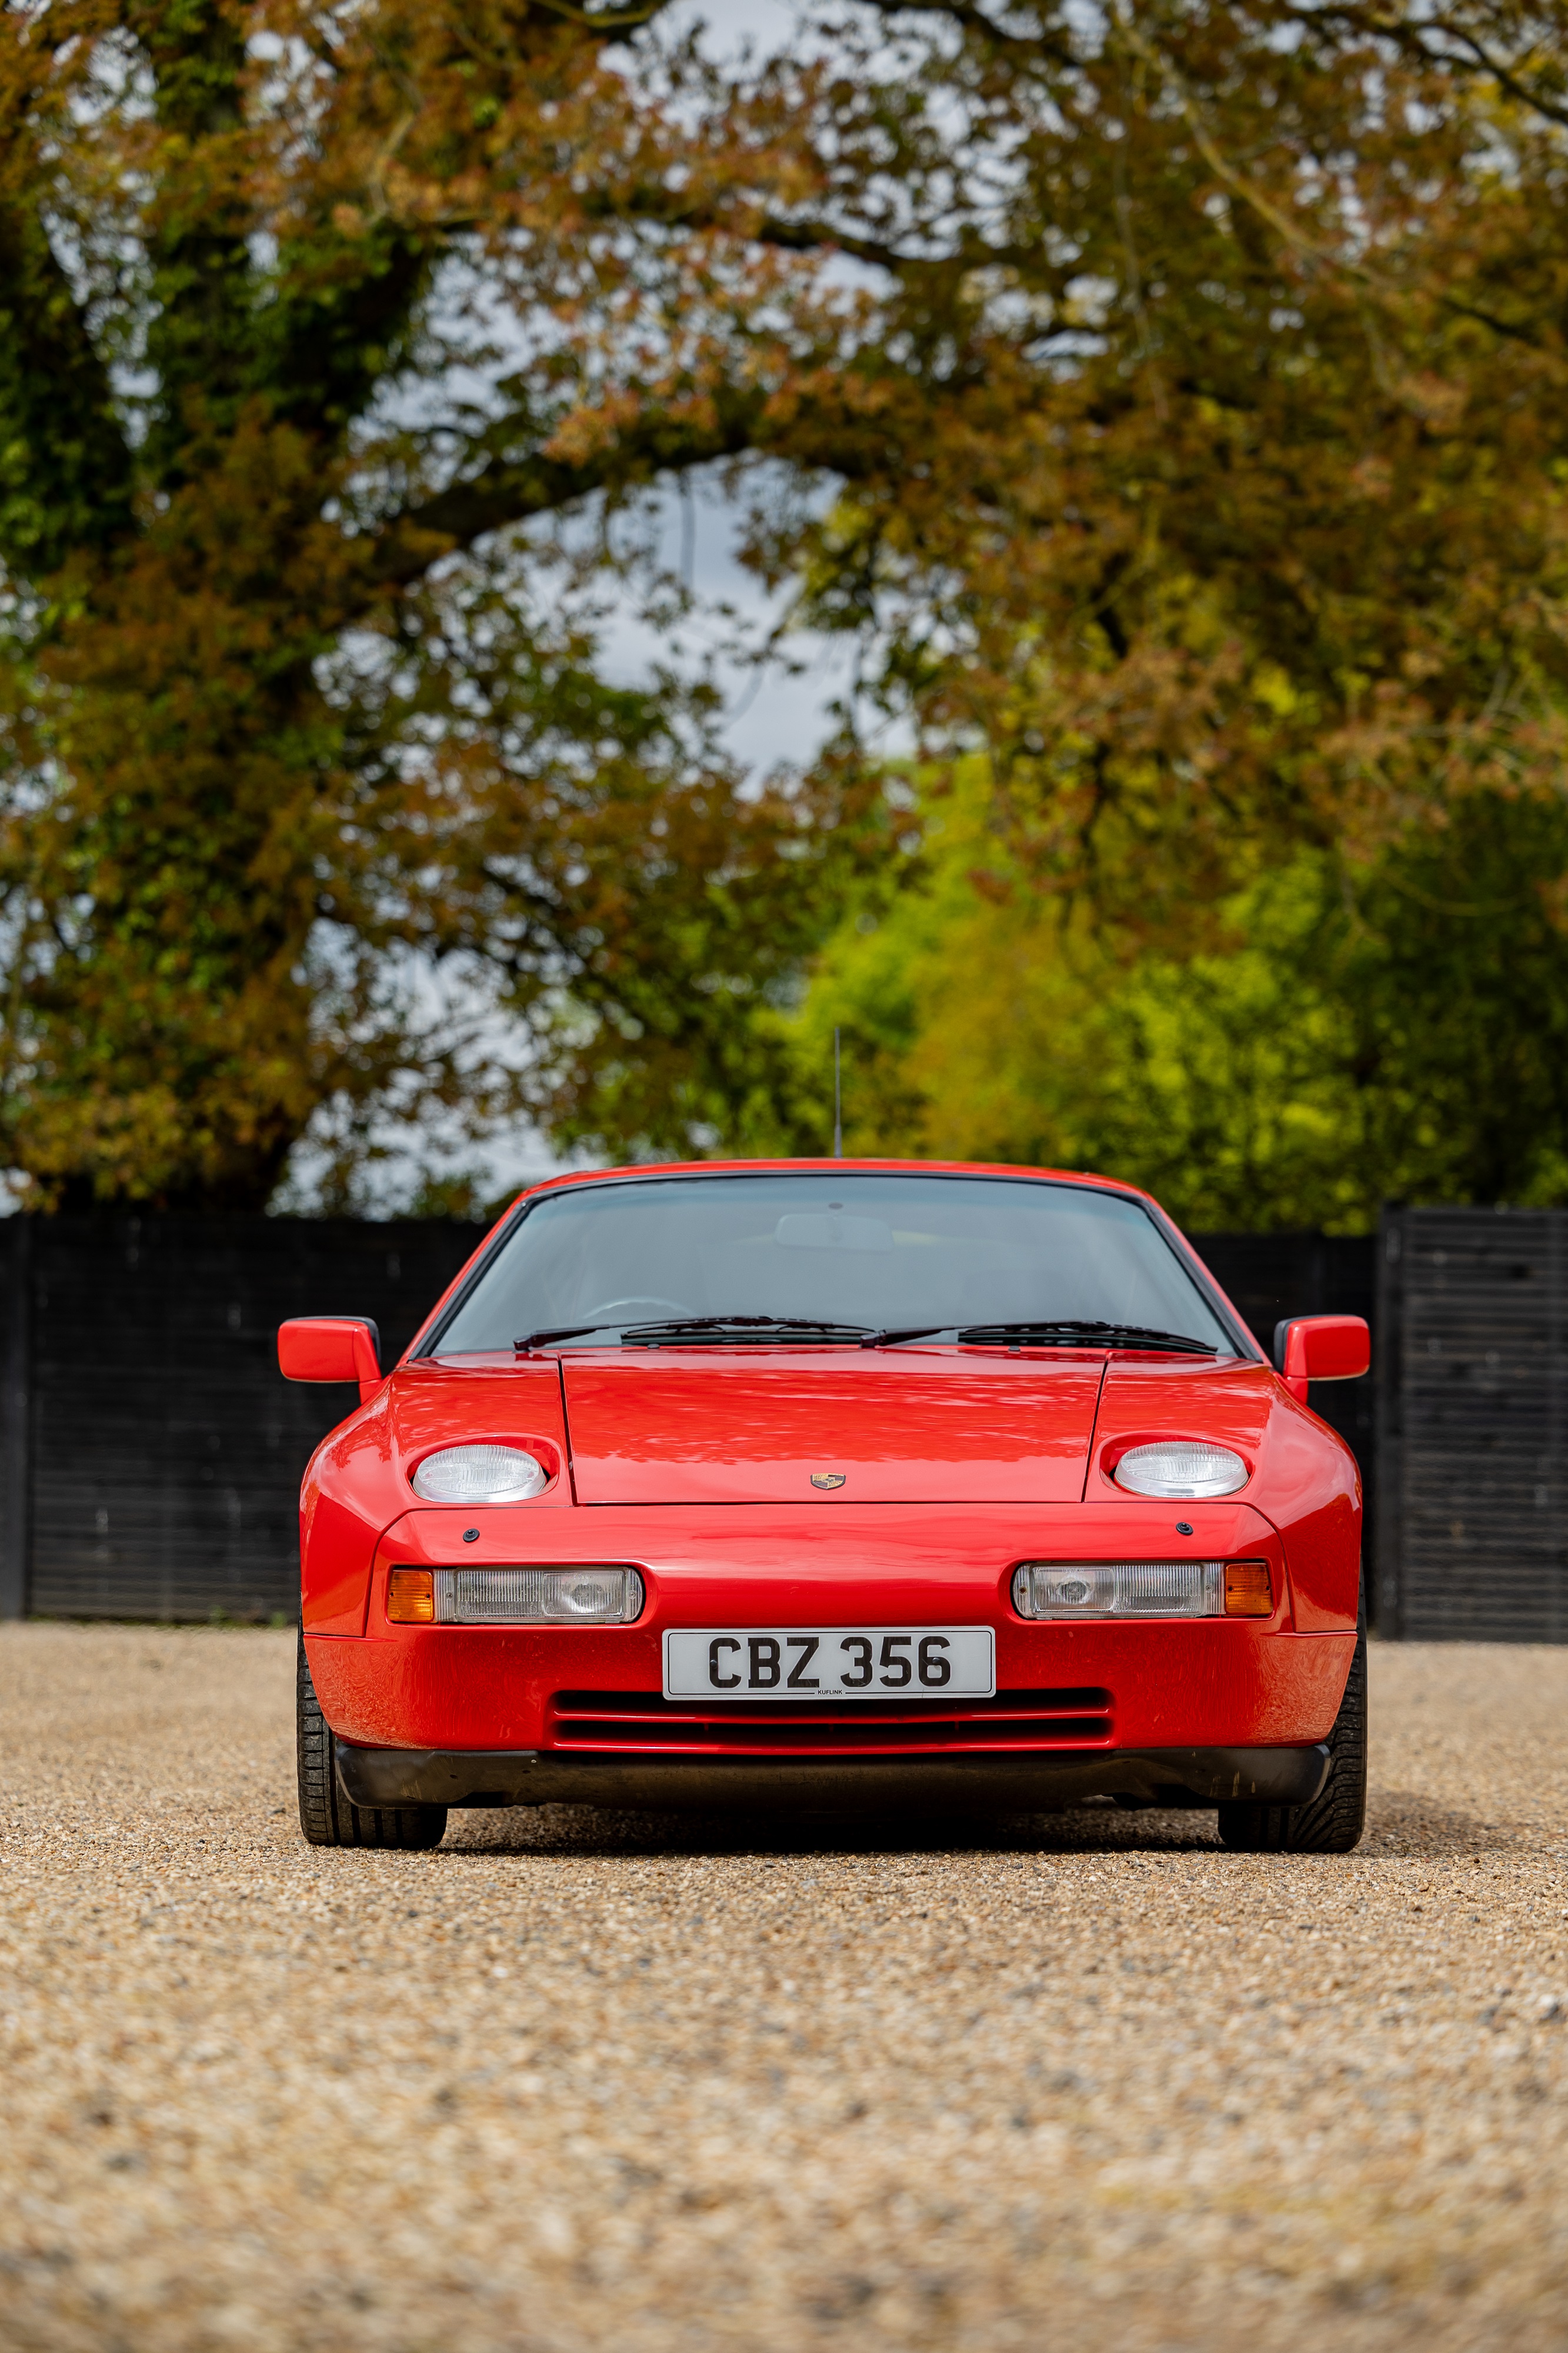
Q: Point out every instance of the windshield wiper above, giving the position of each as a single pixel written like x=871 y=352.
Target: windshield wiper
x=1075 y=1333
x=1059 y=1332
x=1062 y=1332
x=563 y=1332
x=738 y=1327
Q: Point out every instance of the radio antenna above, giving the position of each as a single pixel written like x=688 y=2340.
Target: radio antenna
x=837 y=1104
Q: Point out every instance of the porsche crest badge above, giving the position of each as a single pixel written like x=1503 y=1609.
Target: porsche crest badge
x=828 y=1478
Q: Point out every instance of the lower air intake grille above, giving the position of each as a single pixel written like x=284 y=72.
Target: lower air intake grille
x=644 y=1723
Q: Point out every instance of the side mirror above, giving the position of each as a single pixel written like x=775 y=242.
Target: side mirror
x=1322 y=1348
x=330 y=1349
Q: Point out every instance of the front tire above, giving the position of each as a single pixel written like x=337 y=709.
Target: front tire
x=1334 y=1820
x=326 y=1816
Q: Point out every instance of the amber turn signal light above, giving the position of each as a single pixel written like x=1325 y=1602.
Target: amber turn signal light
x=1248 y=1593
x=411 y=1596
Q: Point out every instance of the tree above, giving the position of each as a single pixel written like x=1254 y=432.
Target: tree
x=1187 y=381
x=1246 y=575
x=1255 y=534
x=306 y=312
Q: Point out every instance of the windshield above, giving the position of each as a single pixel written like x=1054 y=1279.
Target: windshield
x=881 y=1250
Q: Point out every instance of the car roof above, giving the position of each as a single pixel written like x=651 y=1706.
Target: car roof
x=829 y=1167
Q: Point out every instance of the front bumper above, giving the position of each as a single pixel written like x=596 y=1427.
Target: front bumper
x=586 y=1700
x=525 y=1777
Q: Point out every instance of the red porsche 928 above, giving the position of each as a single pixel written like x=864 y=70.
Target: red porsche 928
x=814 y=1483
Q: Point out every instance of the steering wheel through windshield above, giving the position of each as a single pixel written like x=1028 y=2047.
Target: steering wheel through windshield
x=608 y=1308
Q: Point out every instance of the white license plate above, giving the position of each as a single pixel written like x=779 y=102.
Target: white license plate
x=797 y=1663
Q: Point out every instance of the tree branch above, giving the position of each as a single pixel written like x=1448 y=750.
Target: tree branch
x=979 y=23
x=971 y=253
x=509 y=490
x=663 y=210
x=605 y=22
x=820 y=237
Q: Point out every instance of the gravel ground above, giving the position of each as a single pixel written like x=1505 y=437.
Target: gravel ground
x=581 y=2080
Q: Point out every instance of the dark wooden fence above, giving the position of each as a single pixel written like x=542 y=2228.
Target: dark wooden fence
x=1472 y=1408
x=150 y=1453
x=150 y=1450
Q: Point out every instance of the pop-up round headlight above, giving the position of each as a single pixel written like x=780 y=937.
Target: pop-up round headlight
x=479 y=1474
x=1181 y=1468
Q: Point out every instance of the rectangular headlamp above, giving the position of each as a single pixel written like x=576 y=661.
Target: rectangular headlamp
x=558 y=1596
x=1143 y=1589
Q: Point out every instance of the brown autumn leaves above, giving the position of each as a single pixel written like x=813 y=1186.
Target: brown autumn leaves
x=1170 y=402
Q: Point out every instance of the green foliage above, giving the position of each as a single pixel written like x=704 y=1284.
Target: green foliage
x=1350 y=1035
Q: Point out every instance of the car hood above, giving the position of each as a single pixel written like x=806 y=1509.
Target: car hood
x=939 y=1426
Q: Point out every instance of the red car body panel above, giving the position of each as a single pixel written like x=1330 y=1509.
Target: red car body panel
x=941 y=1426
x=1303 y=1474
x=693 y=1465
x=357 y=1483
x=1207 y=1683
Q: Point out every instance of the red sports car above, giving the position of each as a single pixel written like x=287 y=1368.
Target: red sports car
x=816 y=1482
